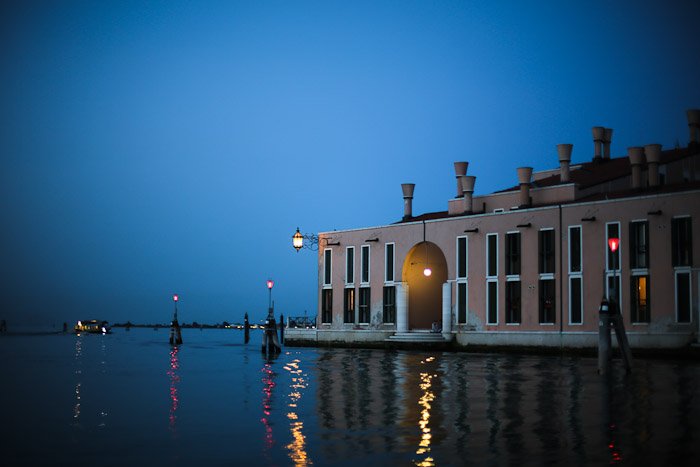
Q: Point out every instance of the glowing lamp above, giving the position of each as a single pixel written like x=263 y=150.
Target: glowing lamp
x=270 y=283
x=298 y=240
x=175 y=298
x=427 y=272
x=613 y=243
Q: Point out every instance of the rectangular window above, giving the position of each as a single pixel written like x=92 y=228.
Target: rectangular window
x=461 y=302
x=349 y=306
x=389 y=262
x=327 y=306
x=350 y=265
x=683 y=297
x=547 y=302
x=389 y=306
x=575 y=249
x=681 y=241
x=612 y=230
x=461 y=257
x=364 y=264
x=492 y=301
x=513 y=302
x=492 y=255
x=575 y=300
x=513 y=253
x=364 y=305
x=639 y=294
x=546 y=251
x=639 y=245
x=327 y=267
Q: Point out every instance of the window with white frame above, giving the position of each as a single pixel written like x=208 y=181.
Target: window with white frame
x=364 y=264
x=350 y=265
x=492 y=278
x=364 y=304
x=389 y=263
x=575 y=275
x=682 y=261
x=327 y=266
x=462 y=276
x=546 y=255
x=349 y=305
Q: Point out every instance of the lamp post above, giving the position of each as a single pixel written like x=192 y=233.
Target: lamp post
x=270 y=284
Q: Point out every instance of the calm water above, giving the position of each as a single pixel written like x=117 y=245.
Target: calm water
x=131 y=399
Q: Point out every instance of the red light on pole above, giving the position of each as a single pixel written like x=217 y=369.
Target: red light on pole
x=613 y=243
x=175 y=298
x=270 y=283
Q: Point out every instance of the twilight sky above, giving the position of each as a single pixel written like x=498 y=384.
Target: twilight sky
x=152 y=147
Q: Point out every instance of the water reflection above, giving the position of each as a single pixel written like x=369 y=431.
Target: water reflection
x=173 y=373
x=297 y=448
x=268 y=380
x=425 y=400
x=78 y=365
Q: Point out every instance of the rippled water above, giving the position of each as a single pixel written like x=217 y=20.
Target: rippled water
x=130 y=398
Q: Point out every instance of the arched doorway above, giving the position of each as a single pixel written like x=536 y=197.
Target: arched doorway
x=424 y=292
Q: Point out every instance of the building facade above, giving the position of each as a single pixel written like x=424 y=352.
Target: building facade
x=529 y=265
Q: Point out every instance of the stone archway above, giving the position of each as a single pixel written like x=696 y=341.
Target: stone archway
x=424 y=292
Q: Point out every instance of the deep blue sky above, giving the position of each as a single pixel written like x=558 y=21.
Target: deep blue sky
x=154 y=147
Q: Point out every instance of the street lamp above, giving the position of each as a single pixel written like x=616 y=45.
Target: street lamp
x=270 y=284
x=311 y=241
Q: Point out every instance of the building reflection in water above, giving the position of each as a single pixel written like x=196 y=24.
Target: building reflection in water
x=78 y=376
x=173 y=373
x=297 y=447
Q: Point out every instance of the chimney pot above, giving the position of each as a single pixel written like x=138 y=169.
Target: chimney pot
x=524 y=176
x=407 y=189
x=468 y=182
x=460 y=171
x=564 y=151
x=636 y=157
x=607 y=139
x=653 y=154
x=598 y=137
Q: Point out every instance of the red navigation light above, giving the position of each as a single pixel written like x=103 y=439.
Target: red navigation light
x=175 y=298
x=270 y=283
x=613 y=243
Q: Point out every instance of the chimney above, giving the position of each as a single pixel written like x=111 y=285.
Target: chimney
x=598 y=136
x=653 y=153
x=524 y=175
x=564 y=151
x=694 y=125
x=636 y=156
x=607 y=139
x=460 y=171
x=407 y=189
x=468 y=182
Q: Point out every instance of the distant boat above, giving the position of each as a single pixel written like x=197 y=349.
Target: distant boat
x=92 y=326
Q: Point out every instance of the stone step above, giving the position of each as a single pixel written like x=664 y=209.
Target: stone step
x=416 y=337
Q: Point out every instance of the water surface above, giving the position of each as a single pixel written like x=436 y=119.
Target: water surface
x=131 y=398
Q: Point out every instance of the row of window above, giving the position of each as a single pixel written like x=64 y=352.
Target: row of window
x=640 y=312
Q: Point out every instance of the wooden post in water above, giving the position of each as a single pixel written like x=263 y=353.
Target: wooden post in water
x=609 y=316
x=270 y=343
x=246 y=329
x=281 y=329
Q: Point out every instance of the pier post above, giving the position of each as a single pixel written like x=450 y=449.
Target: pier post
x=246 y=329
x=281 y=329
x=401 y=307
x=604 y=343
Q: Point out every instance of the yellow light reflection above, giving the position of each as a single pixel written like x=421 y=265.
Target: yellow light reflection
x=78 y=372
x=424 y=422
x=297 y=448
